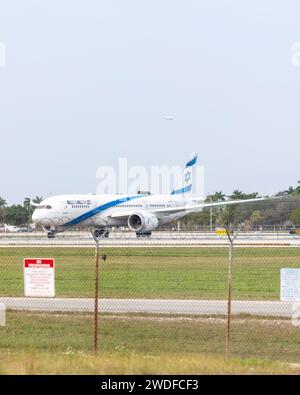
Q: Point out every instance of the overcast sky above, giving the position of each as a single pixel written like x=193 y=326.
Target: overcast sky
x=87 y=82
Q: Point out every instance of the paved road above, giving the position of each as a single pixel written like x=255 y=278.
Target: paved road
x=148 y=243
x=159 y=238
x=152 y=306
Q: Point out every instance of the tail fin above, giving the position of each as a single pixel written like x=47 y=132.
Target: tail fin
x=185 y=184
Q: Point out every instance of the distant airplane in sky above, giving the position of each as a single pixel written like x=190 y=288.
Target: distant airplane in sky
x=141 y=212
x=169 y=117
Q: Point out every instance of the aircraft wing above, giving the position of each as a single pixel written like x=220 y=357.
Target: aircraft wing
x=198 y=207
x=189 y=208
x=232 y=202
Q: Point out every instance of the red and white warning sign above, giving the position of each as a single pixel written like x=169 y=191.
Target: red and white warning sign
x=39 y=277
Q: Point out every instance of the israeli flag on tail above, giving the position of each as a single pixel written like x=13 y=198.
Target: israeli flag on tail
x=184 y=185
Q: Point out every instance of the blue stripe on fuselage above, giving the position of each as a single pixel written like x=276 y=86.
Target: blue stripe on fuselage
x=99 y=209
x=182 y=190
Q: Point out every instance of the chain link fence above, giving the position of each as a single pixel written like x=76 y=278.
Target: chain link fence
x=167 y=294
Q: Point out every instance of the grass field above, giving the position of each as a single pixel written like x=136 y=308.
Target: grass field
x=24 y=362
x=62 y=343
x=187 y=273
x=142 y=344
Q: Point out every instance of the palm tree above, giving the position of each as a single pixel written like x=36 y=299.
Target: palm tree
x=38 y=199
x=27 y=203
x=290 y=191
x=252 y=195
x=220 y=196
x=237 y=194
x=2 y=202
x=216 y=197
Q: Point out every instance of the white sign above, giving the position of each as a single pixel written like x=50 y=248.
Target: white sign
x=2 y=55
x=290 y=285
x=39 y=277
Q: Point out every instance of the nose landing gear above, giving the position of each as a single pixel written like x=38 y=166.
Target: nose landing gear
x=101 y=233
x=51 y=234
x=51 y=231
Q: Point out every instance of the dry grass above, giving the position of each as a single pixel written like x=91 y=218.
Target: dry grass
x=74 y=362
x=144 y=335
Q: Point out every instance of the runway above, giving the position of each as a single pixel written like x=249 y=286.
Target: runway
x=150 y=306
x=158 y=239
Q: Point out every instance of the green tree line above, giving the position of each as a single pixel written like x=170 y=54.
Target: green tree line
x=18 y=214
x=281 y=212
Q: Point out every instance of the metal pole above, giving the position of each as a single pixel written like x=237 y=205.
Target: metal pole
x=211 y=216
x=231 y=237
x=97 y=238
x=229 y=298
x=96 y=297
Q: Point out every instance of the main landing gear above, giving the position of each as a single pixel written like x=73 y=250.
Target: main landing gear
x=143 y=234
x=101 y=233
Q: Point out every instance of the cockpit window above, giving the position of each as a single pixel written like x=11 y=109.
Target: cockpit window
x=43 y=207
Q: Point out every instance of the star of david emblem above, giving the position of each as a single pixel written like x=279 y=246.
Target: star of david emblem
x=187 y=176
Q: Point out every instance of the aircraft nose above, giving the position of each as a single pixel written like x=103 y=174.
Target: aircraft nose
x=35 y=217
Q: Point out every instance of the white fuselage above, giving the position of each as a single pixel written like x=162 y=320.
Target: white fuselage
x=65 y=211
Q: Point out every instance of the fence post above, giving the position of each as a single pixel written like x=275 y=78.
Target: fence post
x=96 y=296
x=231 y=237
x=229 y=296
x=97 y=236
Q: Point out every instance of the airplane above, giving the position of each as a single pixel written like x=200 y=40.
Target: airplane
x=141 y=212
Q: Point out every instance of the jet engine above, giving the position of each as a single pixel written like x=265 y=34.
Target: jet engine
x=145 y=222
